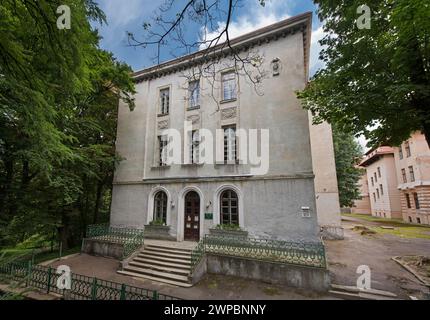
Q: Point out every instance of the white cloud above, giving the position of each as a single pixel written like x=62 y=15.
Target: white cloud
x=315 y=62
x=258 y=17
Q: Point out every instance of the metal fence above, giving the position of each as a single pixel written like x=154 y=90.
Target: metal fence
x=132 y=239
x=82 y=287
x=297 y=253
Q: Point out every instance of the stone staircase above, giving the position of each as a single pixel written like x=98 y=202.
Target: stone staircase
x=162 y=263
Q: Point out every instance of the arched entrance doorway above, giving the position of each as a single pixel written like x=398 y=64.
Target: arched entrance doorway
x=192 y=216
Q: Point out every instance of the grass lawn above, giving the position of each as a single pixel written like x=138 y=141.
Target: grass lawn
x=401 y=228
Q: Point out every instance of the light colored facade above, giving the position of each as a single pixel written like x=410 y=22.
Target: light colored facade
x=362 y=205
x=192 y=198
x=412 y=159
x=382 y=183
x=326 y=190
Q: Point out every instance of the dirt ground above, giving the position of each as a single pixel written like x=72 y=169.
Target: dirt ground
x=375 y=251
x=343 y=257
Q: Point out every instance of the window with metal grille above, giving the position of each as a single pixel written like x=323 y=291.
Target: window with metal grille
x=194 y=146
x=194 y=93
x=228 y=86
x=408 y=200
x=404 y=176
x=160 y=207
x=416 y=200
x=400 y=152
x=408 y=149
x=229 y=205
x=230 y=144
x=162 y=150
x=164 y=101
x=411 y=173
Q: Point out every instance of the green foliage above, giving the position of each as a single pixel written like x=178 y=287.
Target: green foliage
x=347 y=153
x=228 y=226
x=157 y=222
x=377 y=77
x=59 y=94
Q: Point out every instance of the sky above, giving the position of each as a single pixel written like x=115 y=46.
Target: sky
x=129 y=16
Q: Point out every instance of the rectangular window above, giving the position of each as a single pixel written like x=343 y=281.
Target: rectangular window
x=376 y=178
x=229 y=86
x=418 y=220
x=230 y=144
x=377 y=192
x=410 y=219
x=408 y=149
x=164 y=101
x=162 y=150
x=379 y=172
x=411 y=173
x=374 y=197
x=417 y=202
x=400 y=152
x=194 y=93
x=408 y=200
x=194 y=146
x=404 y=176
x=382 y=190
x=371 y=180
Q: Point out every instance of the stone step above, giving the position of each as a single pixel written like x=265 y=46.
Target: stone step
x=168 y=251
x=154 y=246
x=165 y=257
x=171 y=282
x=163 y=263
x=157 y=274
x=179 y=271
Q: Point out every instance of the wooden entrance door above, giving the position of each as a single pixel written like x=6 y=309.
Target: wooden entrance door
x=192 y=216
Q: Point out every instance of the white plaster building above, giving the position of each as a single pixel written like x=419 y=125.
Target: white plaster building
x=190 y=198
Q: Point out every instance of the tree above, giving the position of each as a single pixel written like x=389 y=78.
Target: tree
x=347 y=154
x=59 y=95
x=377 y=77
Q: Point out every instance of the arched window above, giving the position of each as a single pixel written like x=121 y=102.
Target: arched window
x=160 y=207
x=229 y=205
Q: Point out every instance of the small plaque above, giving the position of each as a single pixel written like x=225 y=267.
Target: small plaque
x=208 y=215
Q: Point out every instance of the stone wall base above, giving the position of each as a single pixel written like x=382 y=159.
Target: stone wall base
x=103 y=248
x=316 y=279
x=332 y=232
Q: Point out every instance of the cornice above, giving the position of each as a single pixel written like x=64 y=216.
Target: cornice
x=299 y=23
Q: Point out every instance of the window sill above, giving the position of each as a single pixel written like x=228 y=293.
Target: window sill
x=228 y=100
x=192 y=164
x=162 y=115
x=160 y=167
x=193 y=108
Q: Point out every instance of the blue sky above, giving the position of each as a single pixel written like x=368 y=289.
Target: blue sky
x=123 y=16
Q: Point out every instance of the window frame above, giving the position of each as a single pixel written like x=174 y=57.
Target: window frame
x=162 y=141
x=411 y=173
x=160 y=203
x=416 y=200
x=404 y=177
x=408 y=201
x=227 y=143
x=407 y=149
x=164 y=105
x=191 y=93
x=232 y=96
x=229 y=207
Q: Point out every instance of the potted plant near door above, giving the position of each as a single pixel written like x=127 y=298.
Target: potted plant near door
x=157 y=229
x=228 y=230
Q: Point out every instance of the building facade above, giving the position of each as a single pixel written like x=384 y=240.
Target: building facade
x=193 y=196
x=362 y=205
x=382 y=182
x=412 y=159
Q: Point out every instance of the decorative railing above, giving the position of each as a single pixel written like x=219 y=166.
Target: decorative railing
x=297 y=253
x=197 y=255
x=82 y=287
x=132 y=239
